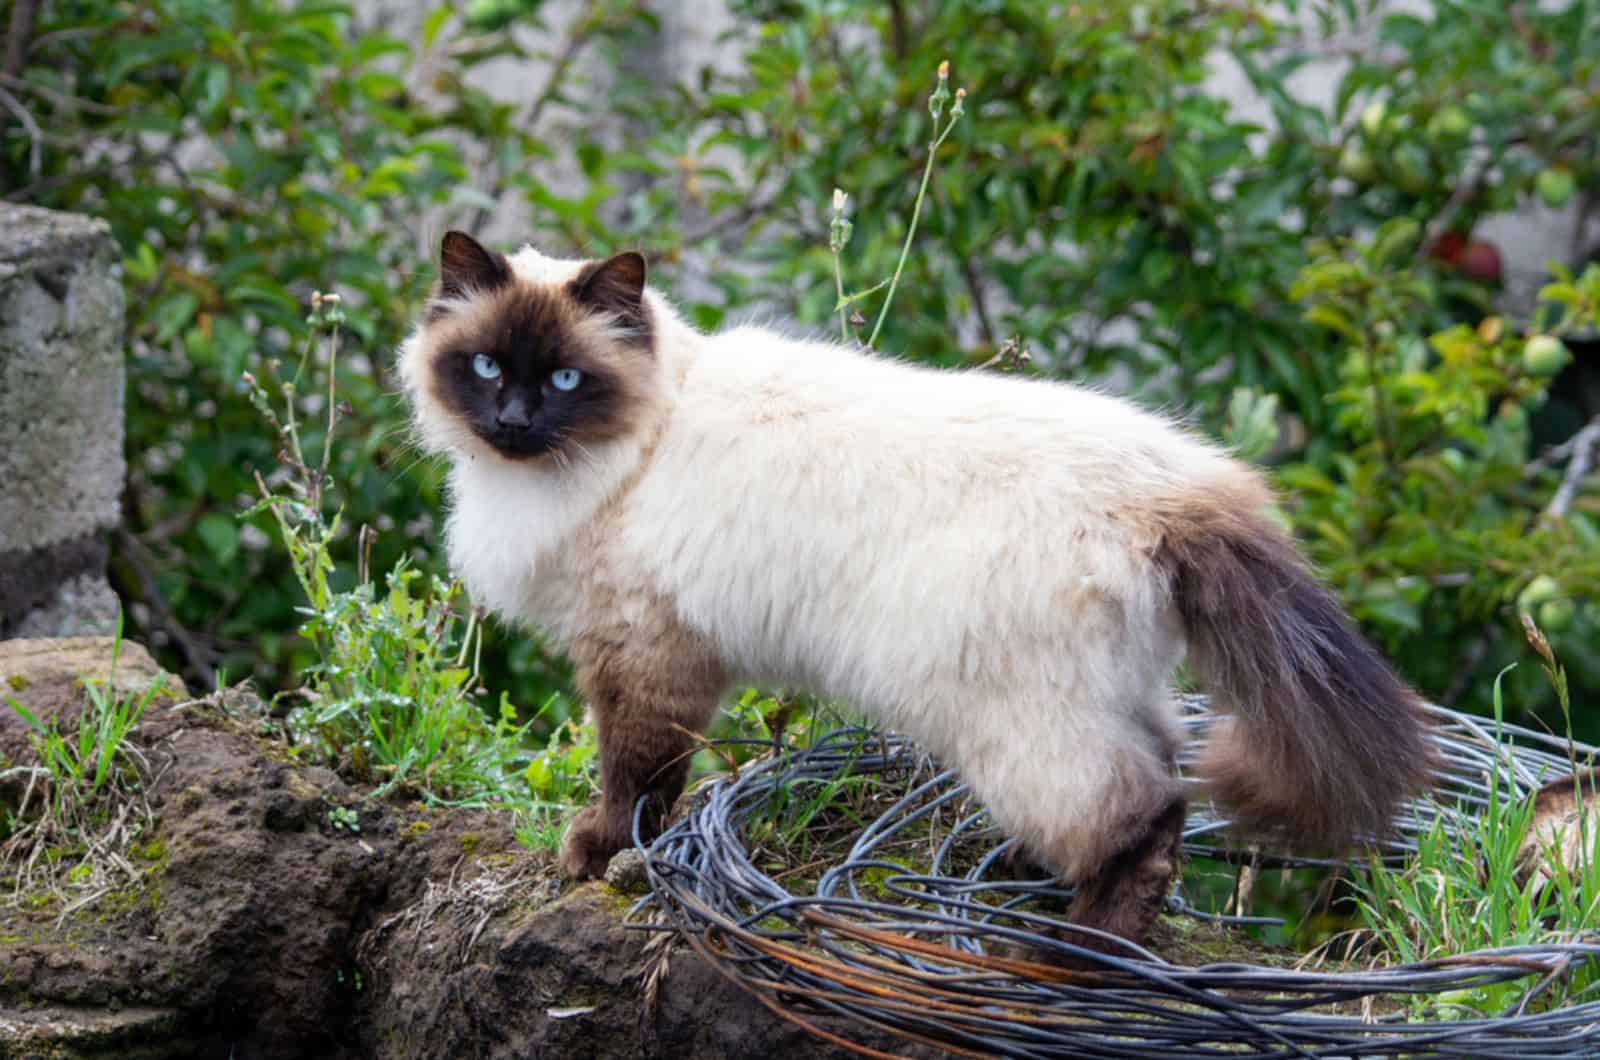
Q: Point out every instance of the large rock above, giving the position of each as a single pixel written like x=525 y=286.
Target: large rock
x=61 y=422
x=263 y=927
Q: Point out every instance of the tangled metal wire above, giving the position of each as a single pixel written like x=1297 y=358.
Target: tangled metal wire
x=928 y=954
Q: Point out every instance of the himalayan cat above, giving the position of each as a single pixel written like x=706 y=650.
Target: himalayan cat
x=1006 y=570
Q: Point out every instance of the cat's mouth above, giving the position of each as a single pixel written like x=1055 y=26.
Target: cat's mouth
x=518 y=443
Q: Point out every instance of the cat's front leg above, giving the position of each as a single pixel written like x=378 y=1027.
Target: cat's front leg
x=651 y=699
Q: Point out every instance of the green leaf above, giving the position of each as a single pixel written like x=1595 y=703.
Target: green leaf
x=1395 y=241
x=434 y=23
x=376 y=84
x=472 y=197
x=1252 y=427
x=27 y=715
x=592 y=158
x=1329 y=317
x=172 y=314
x=220 y=534
x=263 y=290
x=215 y=89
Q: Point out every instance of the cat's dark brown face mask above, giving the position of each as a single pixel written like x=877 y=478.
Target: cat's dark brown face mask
x=536 y=368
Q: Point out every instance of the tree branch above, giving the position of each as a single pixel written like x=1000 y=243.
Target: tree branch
x=580 y=31
x=899 y=29
x=975 y=286
x=1579 y=450
x=1462 y=194
x=1582 y=447
x=62 y=99
x=35 y=135
x=198 y=659
x=19 y=36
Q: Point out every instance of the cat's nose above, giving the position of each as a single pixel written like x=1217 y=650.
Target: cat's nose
x=514 y=413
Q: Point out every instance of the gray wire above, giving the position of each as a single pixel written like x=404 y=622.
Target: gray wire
x=857 y=947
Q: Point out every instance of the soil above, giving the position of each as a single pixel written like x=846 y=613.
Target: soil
x=259 y=929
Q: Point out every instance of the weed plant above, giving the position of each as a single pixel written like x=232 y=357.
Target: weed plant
x=391 y=695
x=81 y=806
x=1476 y=883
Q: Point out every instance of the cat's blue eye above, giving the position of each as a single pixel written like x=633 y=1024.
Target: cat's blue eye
x=486 y=367
x=566 y=378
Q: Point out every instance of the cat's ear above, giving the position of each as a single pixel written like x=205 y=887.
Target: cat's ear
x=615 y=285
x=466 y=266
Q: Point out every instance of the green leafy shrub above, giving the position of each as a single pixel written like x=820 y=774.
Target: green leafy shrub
x=1471 y=886
x=244 y=153
x=1429 y=511
x=240 y=152
x=1076 y=206
x=1100 y=202
x=1099 y=205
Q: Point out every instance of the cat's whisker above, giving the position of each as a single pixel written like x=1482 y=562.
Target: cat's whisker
x=565 y=443
x=588 y=456
x=397 y=430
x=422 y=457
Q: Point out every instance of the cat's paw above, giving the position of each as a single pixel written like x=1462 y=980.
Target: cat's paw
x=588 y=846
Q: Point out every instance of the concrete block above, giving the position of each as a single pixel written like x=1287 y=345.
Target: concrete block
x=61 y=420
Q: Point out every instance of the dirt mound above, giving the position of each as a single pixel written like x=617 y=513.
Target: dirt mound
x=262 y=925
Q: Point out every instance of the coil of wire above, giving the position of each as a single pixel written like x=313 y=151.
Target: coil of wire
x=926 y=947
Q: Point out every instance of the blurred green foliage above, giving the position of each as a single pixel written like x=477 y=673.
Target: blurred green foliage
x=247 y=153
x=1430 y=514
x=1304 y=277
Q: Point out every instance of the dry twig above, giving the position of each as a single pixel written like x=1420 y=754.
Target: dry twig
x=1579 y=451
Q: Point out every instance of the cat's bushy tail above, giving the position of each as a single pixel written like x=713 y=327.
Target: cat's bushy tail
x=1325 y=740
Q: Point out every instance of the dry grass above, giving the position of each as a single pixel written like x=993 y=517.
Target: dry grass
x=82 y=808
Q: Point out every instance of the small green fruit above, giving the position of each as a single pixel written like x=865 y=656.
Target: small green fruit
x=1514 y=416
x=1544 y=355
x=1373 y=117
x=1450 y=125
x=1410 y=168
x=1541 y=590
x=1355 y=164
x=490 y=12
x=1555 y=187
x=1555 y=616
x=1454 y=460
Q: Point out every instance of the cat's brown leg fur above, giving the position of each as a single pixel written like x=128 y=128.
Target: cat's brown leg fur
x=1126 y=894
x=651 y=697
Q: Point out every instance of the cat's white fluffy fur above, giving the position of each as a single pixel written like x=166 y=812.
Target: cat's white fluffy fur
x=959 y=555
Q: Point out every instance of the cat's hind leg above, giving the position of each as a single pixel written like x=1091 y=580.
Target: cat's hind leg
x=1126 y=894
x=1096 y=797
x=1127 y=890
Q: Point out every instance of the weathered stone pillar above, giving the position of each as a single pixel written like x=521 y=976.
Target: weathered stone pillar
x=61 y=383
